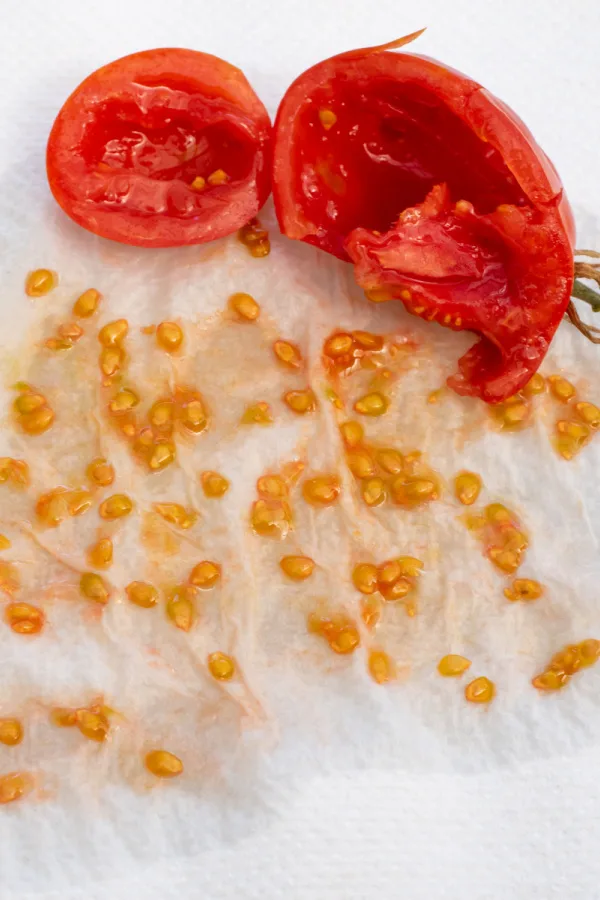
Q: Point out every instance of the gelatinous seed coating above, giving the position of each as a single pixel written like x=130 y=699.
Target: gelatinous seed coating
x=116 y=506
x=100 y=472
x=205 y=574
x=366 y=340
x=373 y=404
x=111 y=360
x=100 y=554
x=40 y=282
x=79 y=501
x=560 y=388
x=524 y=589
x=566 y=663
x=163 y=764
x=93 y=724
x=161 y=415
x=24 y=618
x=93 y=587
x=364 y=578
x=381 y=666
x=161 y=455
x=571 y=437
x=15 y=471
x=257 y=414
x=114 y=333
x=452 y=665
x=352 y=433
x=298 y=568
x=63 y=717
x=467 y=487
x=34 y=415
x=504 y=541
x=271 y=518
x=287 y=353
x=13 y=786
x=221 y=666
x=87 y=303
x=191 y=412
x=480 y=690
x=27 y=402
x=176 y=514
x=181 y=609
x=512 y=415
x=373 y=491
x=338 y=345
x=300 y=402
x=255 y=238
x=214 y=484
x=11 y=732
x=361 y=463
x=390 y=460
x=411 y=492
x=52 y=508
x=323 y=490
x=244 y=306
x=370 y=611
x=588 y=413
x=169 y=336
x=327 y=118
x=272 y=487
x=141 y=593
x=535 y=385
x=123 y=401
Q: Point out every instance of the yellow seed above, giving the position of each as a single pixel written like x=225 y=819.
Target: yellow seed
x=498 y=514
x=58 y=344
x=535 y=385
x=181 y=609
x=161 y=455
x=366 y=340
x=13 y=786
x=199 y=183
x=218 y=177
x=94 y=587
x=70 y=331
x=205 y=574
x=53 y=507
x=364 y=578
x=160 y=762
x=214 y=484
x=160 y=415
x=361 y=463
x=123 y=401
x=100 y=472
x=352 y=433
x=62 y=717
x=288 y=353
x=87 y=303
x=24 y=618
x=116 y=506
x=111 y=360
x=378 y=295
x=480 y=690
x=9 y=578
x=550 y=680
x=272 y=487
x=100 y=554
x=373 y=491
x=467 y=487
x=389 y=572
x=4 y=542
x=374 y=404
x=79 y=502
x=255 y=238
x=410 y=565
x=93 y=725
x=327 y=118
x=28 y=402
x=507 y=561
x=244 y=306
x=397 y=590
x=589 y=414
x=112 y=334
x=169 y=336
x=514 y=414
x=40 y=282
x=413 y=492
x=298 y=568
x=38 y=421
x=300 y=402
x=338 y=345
x=176 y=514
x=344 y=641
x=221 y=666
x=14 y=470
x=381 y=666
x=192 y=414
x=333 y=398
x=271 y=518
x=524 y=589
x=323 y=490
x=390 y=460
x=141 y=593
x=257 y=414
x=589 y=652
x=11 y=732
x=453 y=665
x=560 y=388
x=370 y=611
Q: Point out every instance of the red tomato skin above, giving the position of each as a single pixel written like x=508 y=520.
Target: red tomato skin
x=505 y=358
x=126 y=204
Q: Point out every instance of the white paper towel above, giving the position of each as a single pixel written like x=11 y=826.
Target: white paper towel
x=421 y=744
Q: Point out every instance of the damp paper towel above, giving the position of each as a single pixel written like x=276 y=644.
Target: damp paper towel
x=299 y=710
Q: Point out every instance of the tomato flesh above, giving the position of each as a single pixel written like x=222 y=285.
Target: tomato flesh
x=129 y=147
x=439 y=196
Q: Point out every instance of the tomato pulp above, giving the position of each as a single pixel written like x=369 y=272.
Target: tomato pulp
x=441 y=198
x=161 y=148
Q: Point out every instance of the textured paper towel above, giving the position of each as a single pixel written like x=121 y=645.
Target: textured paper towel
x=326 y=722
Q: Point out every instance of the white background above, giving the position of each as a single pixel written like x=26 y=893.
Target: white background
x=527 y=832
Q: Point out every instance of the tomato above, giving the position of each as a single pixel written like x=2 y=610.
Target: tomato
x=441 y=198
x=161 y=148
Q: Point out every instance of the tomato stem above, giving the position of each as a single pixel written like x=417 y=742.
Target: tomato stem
x=583 y=292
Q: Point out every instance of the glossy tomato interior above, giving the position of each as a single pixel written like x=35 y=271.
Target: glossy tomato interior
x=390 y=145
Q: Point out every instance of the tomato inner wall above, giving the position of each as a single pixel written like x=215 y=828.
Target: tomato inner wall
x=388 y=147
x=164 y=144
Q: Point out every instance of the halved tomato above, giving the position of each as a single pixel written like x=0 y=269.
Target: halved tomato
x=439 y=195
x=161 y=148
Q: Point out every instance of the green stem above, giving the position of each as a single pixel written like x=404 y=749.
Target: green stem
x=582 y=292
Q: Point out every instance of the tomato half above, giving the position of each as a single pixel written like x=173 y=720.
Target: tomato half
x=161 y=148
x=441 y=198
